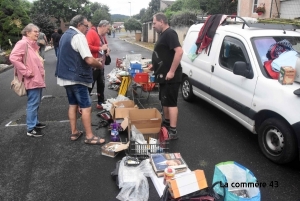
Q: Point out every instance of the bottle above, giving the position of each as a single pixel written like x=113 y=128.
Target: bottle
x=114 y=135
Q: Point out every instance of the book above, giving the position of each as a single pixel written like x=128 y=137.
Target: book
x=160 y=161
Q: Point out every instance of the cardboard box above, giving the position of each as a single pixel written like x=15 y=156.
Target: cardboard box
x=112 y=149
x=187 y=183
x=121 y=112
x=147 y=121
x=286 y=75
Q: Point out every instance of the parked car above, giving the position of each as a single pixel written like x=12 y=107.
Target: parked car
x=231 y=76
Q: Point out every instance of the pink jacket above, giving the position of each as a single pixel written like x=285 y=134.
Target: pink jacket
x=33 y=63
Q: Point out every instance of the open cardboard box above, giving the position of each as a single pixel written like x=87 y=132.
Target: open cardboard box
x=112 y=149
x=147 y=121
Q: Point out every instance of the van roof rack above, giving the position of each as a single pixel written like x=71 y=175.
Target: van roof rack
x=261 y=25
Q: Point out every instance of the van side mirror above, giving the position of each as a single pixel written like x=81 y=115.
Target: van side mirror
x=243 y=69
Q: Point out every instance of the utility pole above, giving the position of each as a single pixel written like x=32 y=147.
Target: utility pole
x=130 y=9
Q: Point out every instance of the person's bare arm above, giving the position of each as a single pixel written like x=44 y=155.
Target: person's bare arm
x=96 y=63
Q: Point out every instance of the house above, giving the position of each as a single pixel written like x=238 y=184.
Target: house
x=165 y=4
x=288 y=9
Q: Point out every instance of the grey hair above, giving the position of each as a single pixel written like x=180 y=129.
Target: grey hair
x=161 y=16
x=78 y=19
x=28 y=28
x=103 y=23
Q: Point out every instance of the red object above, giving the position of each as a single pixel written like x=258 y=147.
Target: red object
x=93 y=40
x=269 y=70
x=148 y=87
x=141 y=77
x=259 y=13
x=118 y=62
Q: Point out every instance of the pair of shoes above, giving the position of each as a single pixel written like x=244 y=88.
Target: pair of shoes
x=40 y=125
x=34 y=133
x=173 y=135
x=99 y=107
x=94 y=140
x=76 y=136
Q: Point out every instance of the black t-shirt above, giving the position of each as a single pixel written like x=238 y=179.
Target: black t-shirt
x=55 y=38
x=163 y=56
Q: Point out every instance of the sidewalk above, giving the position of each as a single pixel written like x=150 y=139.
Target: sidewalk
x=4 y=67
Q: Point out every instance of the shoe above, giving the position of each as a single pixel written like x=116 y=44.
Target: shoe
x=40 y=125
x=76 y=136
x=34 y=133
x=173 y=135
x=99 y=107
x=94 y=141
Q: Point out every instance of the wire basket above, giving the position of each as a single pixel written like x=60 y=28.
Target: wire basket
x=142 y=151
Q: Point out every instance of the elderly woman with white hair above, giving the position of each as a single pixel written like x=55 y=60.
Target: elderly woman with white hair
x=29 y=66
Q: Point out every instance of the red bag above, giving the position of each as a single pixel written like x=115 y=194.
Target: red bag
x=269 y=70
x=163 y=136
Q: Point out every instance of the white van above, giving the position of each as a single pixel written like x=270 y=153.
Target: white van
x=231 y=76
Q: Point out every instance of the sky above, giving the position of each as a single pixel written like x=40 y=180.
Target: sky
x=123 y=7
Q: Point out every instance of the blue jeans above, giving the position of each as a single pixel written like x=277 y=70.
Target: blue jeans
x=34 y=97
x=56 y=49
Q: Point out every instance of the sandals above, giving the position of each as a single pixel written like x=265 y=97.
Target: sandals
x=94 y=140
x=76 y=136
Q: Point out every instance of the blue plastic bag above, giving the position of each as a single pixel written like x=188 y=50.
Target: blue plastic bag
x=237 y=183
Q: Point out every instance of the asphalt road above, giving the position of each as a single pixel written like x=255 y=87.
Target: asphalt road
x=54 y=168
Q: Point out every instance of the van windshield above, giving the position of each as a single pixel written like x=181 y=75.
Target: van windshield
x=268 y=48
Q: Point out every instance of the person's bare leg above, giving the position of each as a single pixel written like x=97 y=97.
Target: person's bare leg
x=86 y=121
x=72 y=113
x=173 y=115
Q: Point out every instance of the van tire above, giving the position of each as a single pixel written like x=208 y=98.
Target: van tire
x=277 y=140
x=187 y=89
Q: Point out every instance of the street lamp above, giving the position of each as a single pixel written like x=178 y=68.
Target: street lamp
x=130 y=8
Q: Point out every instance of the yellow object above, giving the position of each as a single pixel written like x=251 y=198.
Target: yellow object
x=124 y=85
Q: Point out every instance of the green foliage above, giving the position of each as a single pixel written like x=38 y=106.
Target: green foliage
x=183 y=18
x=100 y=14
x=177 y=6
x=191 y=4
x=60 y=9
x=13 y=19
x=133 y=25
x=96 y=12
x=44 y=23
x=153 y=8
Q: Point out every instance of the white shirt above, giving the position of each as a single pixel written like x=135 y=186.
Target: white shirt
x=79 y=44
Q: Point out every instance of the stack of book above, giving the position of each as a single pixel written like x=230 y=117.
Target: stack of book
x=160 y=161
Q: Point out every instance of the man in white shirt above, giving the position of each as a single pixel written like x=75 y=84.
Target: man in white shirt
x=74 y=72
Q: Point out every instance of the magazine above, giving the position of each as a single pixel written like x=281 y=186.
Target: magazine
x=161 y=161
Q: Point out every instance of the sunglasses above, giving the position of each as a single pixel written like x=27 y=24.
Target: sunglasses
x=87 y=26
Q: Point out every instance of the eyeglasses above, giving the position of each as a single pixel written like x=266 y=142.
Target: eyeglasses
x=86 y=25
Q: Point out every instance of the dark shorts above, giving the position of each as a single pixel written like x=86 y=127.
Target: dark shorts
x=78 y=95
x=168 y=94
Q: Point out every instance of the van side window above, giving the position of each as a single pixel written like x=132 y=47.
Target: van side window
x=231 y=52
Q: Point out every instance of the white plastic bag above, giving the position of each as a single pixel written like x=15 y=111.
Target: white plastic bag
x=133 y=181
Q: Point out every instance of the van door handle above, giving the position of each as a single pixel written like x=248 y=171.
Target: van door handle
x=212 y=68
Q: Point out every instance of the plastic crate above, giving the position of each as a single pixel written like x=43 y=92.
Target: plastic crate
x=141 y=77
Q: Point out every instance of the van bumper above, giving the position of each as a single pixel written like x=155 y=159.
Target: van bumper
x=296 y=128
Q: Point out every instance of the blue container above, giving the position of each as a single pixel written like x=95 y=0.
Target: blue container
x=152 y=78
x=136 y=65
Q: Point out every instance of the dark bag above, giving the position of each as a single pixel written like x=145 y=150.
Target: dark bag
x=107 y=60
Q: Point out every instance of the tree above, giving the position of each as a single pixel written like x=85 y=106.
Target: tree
x=133 y=25
x=100 y=14
x=219 y=6
x=13 y=19
x=191 y=4
x=44 y=23
x=60 y=9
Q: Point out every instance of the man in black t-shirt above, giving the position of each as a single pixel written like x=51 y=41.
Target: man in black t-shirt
x=167 y=70
x=55 y=38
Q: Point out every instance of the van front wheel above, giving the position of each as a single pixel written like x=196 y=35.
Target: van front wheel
x=277 y=140
x=186 y=89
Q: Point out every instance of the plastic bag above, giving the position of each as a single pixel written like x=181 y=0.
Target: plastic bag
x=133 y=181
x=232 y=176
x=137 y=135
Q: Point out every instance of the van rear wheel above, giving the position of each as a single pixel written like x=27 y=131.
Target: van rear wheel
x=186 y=89
x=277 y=140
